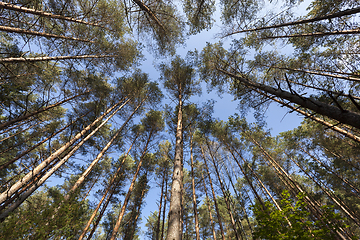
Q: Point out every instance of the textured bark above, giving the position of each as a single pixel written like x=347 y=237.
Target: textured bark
x=310 y=20
x=56 y=154
x=38 y=144
x=55 y=58
x=208 y=205
x=36 y=185
x=126 y=200
x=41 y=34
x=44 y=14
x=214 y=196
x=175 y=212
x=197 y=229
x=164 y=210
x=346 y=117
x=26 y=116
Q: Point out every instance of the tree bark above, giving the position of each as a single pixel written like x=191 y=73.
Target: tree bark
x=157 y=230
x=175 y=227
x=150 y=13
x=41 y=34
x=126 y=200
x=26 y=116
x=346 y=117
x=36 y=170
x=23 y=130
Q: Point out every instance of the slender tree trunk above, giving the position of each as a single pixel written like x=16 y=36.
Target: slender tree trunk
x=44 y=14
x=157 y=230
x=99 y=156
x=336 y=174
x=346 y=117
x=164 y=210
x=36 y=170
x=208 y=205
x=310 y=20
x=223 y=191
x=35 y=186
x=134 y=222
x=26 y=116
x=110 y=189
x=41 y=34
x=126 y=200
x=39 y=143
x=55 y=58
x=197 y=230
x=317 y=34
x=175 y=227
x=214 y=196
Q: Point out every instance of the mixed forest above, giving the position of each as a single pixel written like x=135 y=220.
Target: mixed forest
x=88 y=139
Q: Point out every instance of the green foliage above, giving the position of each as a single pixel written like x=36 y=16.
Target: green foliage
x=273 y=224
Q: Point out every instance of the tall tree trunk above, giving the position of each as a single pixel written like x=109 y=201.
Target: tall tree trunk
x=36 y=170
x=164 y=210
x=41 y=34
x=110 y=188
x=175 y=227
x=4 y=165
x=157 y=230
x=102 y=152
x=55 y=58
x=26 y=116
x=51 y=171
x=44 y=14
x=208 y=205
x=346 y=117
x=134 y=222
x=310 y=20
x=126 y=200
x=222 y=190
x=197 y=230
x=214 y=196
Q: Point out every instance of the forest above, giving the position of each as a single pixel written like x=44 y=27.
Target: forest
x=98 y=143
